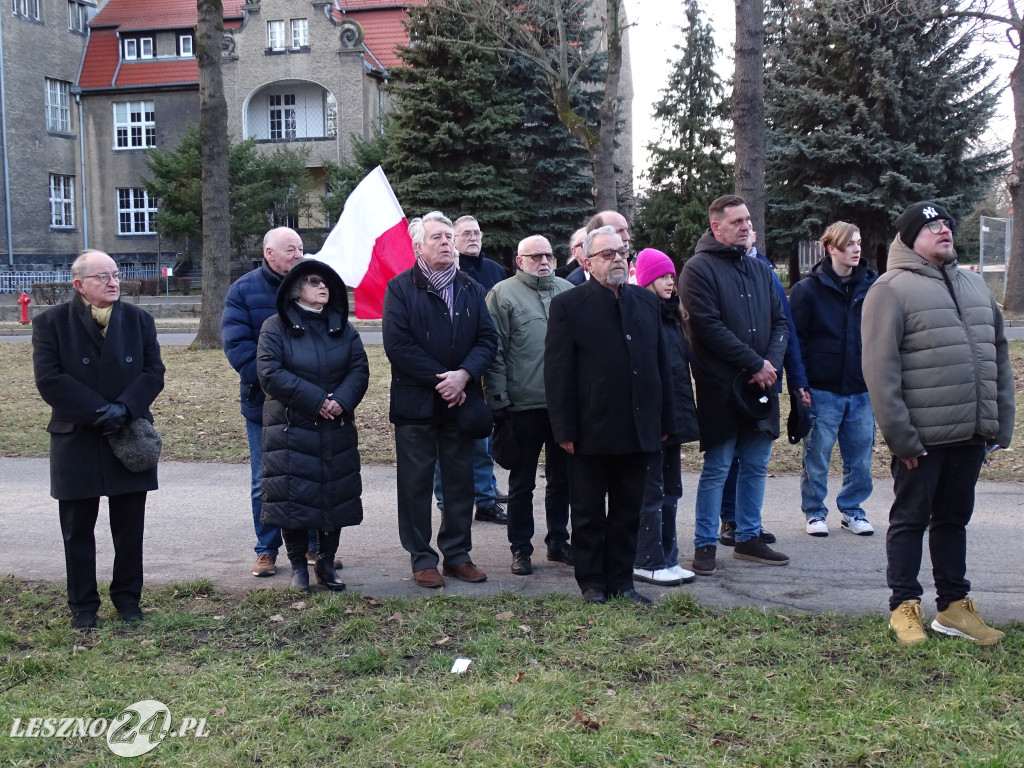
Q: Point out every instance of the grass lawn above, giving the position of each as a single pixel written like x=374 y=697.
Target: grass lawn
x=294 y=680
x=197 y=415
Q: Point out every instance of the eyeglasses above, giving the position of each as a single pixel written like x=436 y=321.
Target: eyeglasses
x=535 y=257
x=315 y=280
x=609 y=254
x=574 y=246
x=106 y=277
x=469 y=233
x=936 y=226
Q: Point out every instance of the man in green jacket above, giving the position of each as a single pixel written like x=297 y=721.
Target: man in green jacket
x=937 y=366
x=514 y=387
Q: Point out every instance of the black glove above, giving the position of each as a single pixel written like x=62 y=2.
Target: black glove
x=111 y=418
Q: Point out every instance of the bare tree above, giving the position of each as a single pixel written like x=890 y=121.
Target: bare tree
x=213 y=133
x=552 y=35
x=1003 y=16
x=749 y=130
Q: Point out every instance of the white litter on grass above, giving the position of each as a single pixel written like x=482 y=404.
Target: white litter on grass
x=460 y=666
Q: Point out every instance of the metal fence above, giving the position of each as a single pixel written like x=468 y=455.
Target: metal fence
x=994 y=236
x=810 y=252
x=16 y=282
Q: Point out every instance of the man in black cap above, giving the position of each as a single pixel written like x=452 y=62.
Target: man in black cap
x=937 y=366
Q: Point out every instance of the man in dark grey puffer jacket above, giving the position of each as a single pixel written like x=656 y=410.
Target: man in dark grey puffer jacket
x=936 y=362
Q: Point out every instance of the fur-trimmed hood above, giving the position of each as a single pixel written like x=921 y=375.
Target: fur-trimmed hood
x=294 y=318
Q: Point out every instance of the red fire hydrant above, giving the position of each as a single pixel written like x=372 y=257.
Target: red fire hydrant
x=25 y=300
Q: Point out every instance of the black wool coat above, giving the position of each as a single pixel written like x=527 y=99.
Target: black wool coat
x=606 y=373
x=311 y=465
x=735 y=321
x=421 y=340
x=78 y=371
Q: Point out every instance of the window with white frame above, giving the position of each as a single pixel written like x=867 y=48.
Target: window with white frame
x=136 y=212
x=282 y=116
x=330 y=114
x=275 y=35
x=138 y=48
x=58 y=106
x=300 y=33
x=78 y=16
x=27 y=8
x=131 y=48
x=134 y=125
x=185 y=46
x=62 y=201
x=146 y=49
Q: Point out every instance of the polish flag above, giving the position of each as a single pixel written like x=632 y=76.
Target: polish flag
x=370 y=243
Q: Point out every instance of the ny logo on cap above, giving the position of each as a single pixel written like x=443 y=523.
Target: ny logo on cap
x=929 y=213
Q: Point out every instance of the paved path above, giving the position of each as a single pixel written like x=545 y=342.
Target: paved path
x=199 y=525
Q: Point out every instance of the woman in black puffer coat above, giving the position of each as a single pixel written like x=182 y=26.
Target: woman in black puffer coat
x=313 y=368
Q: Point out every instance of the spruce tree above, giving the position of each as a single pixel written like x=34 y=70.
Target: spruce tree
x=864 y=120
x=688 y=166
x=453 y=138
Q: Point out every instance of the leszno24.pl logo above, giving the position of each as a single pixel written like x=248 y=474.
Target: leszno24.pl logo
x=136 y=730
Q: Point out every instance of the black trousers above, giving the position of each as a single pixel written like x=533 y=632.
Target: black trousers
x=418 y=448
x=938 y=495
x=604 y=540
x=533 y=432
x=77 y=524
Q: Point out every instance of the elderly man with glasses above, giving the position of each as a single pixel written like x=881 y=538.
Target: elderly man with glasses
x=97 y=365
x=936 y=362
x=514 y=388
x=608 y=389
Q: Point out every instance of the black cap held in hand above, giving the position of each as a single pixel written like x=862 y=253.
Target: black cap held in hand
x=916 y=216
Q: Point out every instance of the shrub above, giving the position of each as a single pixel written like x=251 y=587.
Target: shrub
x=52 y=293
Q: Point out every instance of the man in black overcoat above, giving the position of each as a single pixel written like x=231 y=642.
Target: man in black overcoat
x=608 y=391
x=97 y=364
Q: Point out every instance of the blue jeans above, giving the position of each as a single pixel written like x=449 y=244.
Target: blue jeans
x=849 y=419
x=485 y=485
x=657 y=545
x=753 y=449
x=268 y=537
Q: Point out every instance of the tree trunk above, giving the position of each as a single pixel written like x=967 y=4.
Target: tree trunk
x=213 y=133
x=1014 y=299
x=748 y=110
x=603 y=154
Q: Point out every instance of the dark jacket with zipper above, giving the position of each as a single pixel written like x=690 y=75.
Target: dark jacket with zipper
x=827 y=312
x=311 y=464
x=421 y=340
x=735 y=321
x=77 y=371
x=251 y=299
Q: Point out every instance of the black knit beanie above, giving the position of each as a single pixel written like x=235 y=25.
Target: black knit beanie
x=916 y=216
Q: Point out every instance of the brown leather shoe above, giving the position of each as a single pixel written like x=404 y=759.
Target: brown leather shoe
x=428 y=577
x=465 y=572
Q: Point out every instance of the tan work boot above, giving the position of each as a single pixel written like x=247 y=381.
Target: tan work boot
x=908 y=622
x=266 y=565
x=961 y=619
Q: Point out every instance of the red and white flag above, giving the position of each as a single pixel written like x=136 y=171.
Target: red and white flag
x=370 y=243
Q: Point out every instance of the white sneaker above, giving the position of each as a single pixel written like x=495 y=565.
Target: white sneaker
x=857 y=525
x=682 y=573
x=817 y=527
x=663 y=577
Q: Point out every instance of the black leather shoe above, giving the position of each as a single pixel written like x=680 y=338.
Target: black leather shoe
x=521 y=565
x=501 y=498
x=594 y=596
x=132 y=615
x=727 y=533
x=560 y=555
x=492 y=514
x=85 y=622
x=634 y=596
x=767 y=537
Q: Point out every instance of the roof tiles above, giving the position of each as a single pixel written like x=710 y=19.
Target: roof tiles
x=156 y=14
